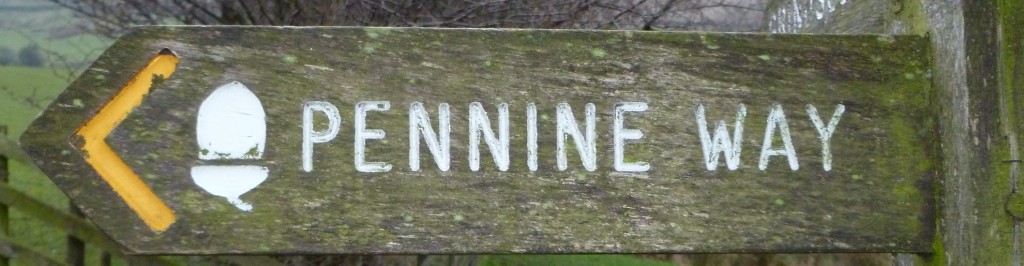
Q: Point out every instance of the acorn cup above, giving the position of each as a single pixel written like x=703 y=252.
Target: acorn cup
x=231 y=128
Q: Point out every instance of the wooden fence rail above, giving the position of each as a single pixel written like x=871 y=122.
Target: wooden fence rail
x=12 y=248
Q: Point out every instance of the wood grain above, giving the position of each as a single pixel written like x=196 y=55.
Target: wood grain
x=877 y=196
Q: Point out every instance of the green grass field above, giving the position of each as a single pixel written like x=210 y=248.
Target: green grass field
x=63 y=37
x=23 y=90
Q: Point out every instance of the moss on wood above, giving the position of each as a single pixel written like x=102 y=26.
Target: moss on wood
x=877 y=197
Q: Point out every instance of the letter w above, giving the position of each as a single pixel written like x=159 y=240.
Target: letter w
x=721 y=142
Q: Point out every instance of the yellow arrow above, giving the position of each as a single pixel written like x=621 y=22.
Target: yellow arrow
x=153 y=211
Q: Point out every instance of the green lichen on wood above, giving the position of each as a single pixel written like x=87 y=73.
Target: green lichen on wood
x=977 y=228
x=1007 y=51
x=677 y=206
x=910 y=18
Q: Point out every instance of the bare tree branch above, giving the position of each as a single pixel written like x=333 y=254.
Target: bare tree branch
x=113 y=17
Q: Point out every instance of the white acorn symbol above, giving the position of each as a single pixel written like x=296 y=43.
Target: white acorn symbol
x=231 y=126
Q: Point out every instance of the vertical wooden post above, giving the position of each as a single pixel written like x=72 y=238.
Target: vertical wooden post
x=1011 y=61
x=75 y=255
x=105 y=258
x=4 y=218
x=979 y=111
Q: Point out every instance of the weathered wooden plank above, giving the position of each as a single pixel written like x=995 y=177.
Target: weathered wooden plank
x=875 y=197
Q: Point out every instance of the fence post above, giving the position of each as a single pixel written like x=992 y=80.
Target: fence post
x=75 y=255
x=4 y=218
x=105 y=258
x=978 y=73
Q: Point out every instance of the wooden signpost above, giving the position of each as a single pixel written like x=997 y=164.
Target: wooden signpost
x=207 y=140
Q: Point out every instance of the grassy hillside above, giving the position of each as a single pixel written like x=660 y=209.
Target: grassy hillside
x=65 y=39
x=23 y=93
